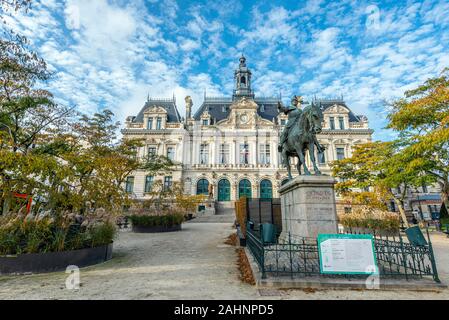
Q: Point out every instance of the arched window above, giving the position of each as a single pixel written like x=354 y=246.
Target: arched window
x=245 y=188
x=202 y=187
x=266 y=189
x=224 y=190
x=242 y=80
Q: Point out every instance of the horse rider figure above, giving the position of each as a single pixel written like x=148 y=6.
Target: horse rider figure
x=294 y=113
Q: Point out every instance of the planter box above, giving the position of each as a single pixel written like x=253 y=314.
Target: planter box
x=155 y=229
x=53 y=261
x=383 y=233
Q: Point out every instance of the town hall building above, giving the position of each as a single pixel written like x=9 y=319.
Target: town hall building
x=228 y=147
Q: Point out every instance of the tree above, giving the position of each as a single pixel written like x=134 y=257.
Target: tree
x=421 y=118
x=29 y=118
x=186 y=202
x=15 y=5
x=102 y=163
x=381 y=167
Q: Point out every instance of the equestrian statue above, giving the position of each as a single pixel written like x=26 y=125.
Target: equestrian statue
x=299 y=135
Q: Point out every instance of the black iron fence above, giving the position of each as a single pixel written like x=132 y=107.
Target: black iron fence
x=299 y=257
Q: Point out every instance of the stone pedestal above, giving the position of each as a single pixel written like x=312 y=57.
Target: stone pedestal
x=308 y=206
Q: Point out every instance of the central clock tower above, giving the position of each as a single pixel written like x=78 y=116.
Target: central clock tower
x=242 y=78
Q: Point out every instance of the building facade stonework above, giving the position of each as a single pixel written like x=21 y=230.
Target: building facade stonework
x=229 y=146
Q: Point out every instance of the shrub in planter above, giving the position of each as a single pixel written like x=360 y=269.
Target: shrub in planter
x=366 y=219
x=155 y=223
x=52 y=233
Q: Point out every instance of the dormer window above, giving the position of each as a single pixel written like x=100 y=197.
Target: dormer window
x=206 y=119
x=150 y=123
x=158 y=123
x=262 y=108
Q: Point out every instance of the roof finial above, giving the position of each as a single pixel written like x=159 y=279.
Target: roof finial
x=242 y=61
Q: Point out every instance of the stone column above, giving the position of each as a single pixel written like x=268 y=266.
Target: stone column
x=308 y=206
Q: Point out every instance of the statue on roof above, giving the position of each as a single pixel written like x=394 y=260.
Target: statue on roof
x=189 y=104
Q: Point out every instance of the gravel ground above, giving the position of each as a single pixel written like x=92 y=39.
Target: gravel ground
x=191 y=264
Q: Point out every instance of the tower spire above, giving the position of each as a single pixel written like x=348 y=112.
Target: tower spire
x=242 y=78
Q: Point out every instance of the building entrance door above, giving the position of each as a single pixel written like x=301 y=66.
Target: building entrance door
x=224 y=190
x=245 y=189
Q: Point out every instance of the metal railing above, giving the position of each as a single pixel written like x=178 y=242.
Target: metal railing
x=299 y=257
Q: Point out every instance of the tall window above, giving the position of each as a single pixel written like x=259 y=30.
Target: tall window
x=168 y=181
x=341 y=122
x=129 y=184
x=264 y=154
x=150 y=123
x=424 y=188
x=171 y=153
x=332 y=123
x=224 y=153
x=151 y=151
x=158 y=123
x=321 y=158
x=148 y=183
x=244 y=153
x=340 y=153
x=432 y=208
x=204 y=154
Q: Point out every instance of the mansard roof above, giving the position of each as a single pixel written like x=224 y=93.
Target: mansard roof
x=168 y=104
x=326 y=103
x=219 y=108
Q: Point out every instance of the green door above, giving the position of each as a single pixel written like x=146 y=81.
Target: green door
x=224 y=190
x=266 y=189
x=245 y=189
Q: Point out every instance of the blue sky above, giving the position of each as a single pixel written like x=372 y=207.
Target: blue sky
x=112 y=54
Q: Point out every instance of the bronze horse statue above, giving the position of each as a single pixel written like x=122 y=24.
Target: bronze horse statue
x=302 y=137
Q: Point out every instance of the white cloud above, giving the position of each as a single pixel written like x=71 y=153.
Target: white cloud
x=112 y=53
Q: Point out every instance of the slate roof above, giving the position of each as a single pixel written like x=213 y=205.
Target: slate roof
x=219 y=108
x=168 y=104
x=326 y=103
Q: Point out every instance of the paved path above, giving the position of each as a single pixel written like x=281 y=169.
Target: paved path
x=217 y=218
x=191 y=264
